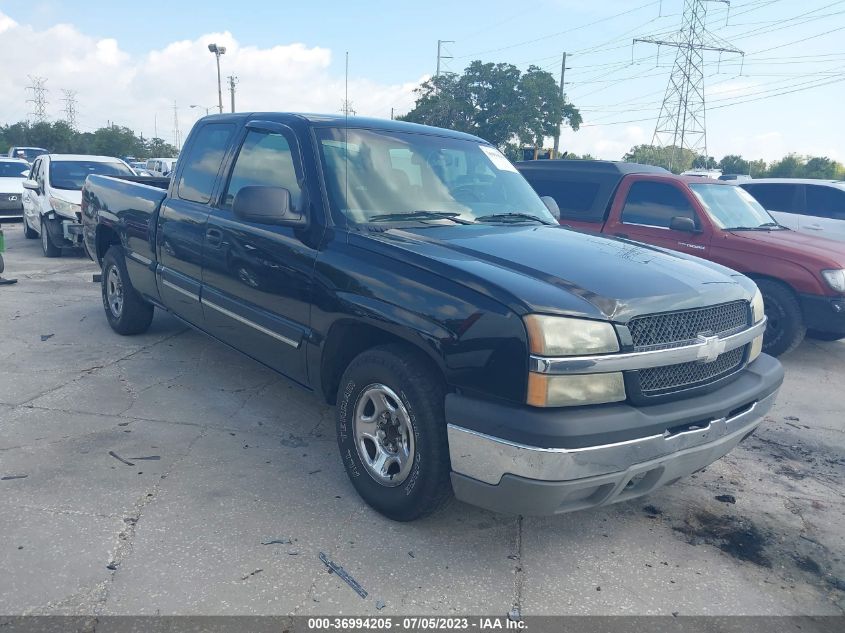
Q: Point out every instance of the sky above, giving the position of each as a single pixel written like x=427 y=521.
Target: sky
x=129 y=63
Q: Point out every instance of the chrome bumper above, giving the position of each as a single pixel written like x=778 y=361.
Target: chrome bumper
x=487 y=459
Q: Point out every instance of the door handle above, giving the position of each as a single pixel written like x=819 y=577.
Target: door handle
x=814 y=227
x=214 y=237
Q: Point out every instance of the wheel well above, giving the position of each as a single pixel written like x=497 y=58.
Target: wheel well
x=344 y=342
x=105 y=237
x=756 y=277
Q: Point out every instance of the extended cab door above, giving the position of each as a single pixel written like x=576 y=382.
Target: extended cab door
x=257 y=277
x=182 y=220
x=643 y=211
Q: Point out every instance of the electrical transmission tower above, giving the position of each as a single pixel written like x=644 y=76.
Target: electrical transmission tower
x=39 y=98
x=70 y=107
x=346 y=108
x=681 y=123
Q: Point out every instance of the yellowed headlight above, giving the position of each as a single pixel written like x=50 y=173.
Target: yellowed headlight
x=564 y=336
x=757 y=307
x=569 y=391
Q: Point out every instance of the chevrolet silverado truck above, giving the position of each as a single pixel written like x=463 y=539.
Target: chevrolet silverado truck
x=802 y=277
x=411 y=276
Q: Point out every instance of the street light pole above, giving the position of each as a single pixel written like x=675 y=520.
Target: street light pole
x=218 y=51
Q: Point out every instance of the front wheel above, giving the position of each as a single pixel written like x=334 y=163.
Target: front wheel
x=391 y=432
x=47 y=246
x=126 y=311
x=785 y=327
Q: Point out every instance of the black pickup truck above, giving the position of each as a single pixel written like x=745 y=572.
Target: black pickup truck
x=412 y=277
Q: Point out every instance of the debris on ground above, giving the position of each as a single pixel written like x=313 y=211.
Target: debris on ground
x=112 y=566
x=514 y=615
x=792 y=418
x=736 y=536
x=292 y=441
x=149 y=458
x=120 y=459
x=380 y=604
x=293 y=552
x=343 y=575
x=252 y=573
x=726 y=498
x=411 y=554
x=44 y=337
x=10 y=477
x=652 y=511
x=278 y=541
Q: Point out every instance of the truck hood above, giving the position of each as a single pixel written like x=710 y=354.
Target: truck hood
x=553 y=270
x=11 y=185
x=812 y=252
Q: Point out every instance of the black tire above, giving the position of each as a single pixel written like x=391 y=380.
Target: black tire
x=785 y=328
x=47 y=246
x=425 y=484
x=28 y=232
x=824 y=336
x=134 y=315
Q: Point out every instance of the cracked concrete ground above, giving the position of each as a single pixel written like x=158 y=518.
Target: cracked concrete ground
x=225 y=456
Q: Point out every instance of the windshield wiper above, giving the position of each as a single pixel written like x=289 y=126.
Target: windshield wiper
x=766 y=226
x=513 y=216
x=420 y=215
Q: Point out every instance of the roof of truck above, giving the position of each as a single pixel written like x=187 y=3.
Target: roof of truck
x=339 y=120
x=606 y=167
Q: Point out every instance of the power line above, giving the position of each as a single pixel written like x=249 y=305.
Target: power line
x=39 y=98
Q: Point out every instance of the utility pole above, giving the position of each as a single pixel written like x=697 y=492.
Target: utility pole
x=70 y=107
x=176 y=125
x=232 y=81
x=39 y=98
x=218 y=51
x=562 y=100
x=440 y=54
x=682 y=121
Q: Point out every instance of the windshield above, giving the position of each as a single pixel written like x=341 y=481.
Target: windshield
x=386 y=173
x=732 y=207
x=12 y=169
x=71 y=175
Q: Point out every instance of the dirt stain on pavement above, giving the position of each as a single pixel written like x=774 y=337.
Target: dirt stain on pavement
x=736 y=536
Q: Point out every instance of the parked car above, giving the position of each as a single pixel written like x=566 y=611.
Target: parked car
x=13 y=171
x=53 y=194
x=160 y=166
x=28 y=154
x=815 y=207
x=140 y=168
x=411 y=276
x=802 y=277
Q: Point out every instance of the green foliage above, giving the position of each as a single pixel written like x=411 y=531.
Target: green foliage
x=496 y=102
x=60 y=138
x=662 y=157
x=790 y=166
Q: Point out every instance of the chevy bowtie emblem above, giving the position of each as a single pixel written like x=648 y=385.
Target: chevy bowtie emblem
x=711 y=348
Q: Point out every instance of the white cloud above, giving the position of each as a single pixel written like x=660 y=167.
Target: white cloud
x=139 y=90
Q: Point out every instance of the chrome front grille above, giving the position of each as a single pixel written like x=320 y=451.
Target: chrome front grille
x=674 y=377
x=677 y=329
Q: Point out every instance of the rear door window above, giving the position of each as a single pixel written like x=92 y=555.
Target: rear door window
x=575 y=199
x=825 y=202
x=775 y=196
x=203 y=161
x=655 y=204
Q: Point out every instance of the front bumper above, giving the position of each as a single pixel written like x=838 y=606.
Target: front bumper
x=573 y=468
x=64 y=229
x=825 y=314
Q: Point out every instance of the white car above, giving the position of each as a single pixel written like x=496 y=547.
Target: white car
x=815 y=207
x=53 y=197
x=160 y=166
x=13 y=171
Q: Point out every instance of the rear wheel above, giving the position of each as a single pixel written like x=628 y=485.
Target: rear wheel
x=28 y=232
x=126 y=311
x=824 y=336
x=391 y=432
x=47 y=246
x=785 y=327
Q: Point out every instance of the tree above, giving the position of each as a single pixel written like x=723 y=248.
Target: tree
x=822 y=167
x=734 y=164
x=496 y=102
x=790 y=166
x=662 y=157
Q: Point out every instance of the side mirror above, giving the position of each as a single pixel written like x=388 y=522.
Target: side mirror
x=682 y=223
x=32 y=185
x=266 y=205
x=25 y=174
x=551 y=205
